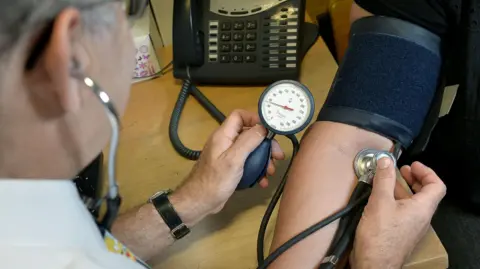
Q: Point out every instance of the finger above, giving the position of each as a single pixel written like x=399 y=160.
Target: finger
x=417 y=187
x=429 y=187
x=384 y=180
x=263 y=183
x=271 y=168
x=423 y=173
x=234 y=124
x=247 y=142
x=400 y=191
x=277 y=152
x=406 y=172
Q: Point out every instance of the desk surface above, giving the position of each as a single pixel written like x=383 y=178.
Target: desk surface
x=147 y=163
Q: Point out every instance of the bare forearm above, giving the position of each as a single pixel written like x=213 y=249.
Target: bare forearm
x=145 y=233
x=319 y=184
x=375 y=264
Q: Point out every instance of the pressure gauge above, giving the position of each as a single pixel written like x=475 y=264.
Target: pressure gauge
x=286 y=107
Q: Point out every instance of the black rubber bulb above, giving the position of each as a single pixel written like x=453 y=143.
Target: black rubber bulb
x=256 y=165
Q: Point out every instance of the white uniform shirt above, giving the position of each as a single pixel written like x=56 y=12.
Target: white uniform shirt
x=45 y=225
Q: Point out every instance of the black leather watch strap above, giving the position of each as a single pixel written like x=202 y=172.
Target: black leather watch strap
x=178 y=229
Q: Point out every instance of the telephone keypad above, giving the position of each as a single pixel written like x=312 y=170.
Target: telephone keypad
x=225 y=48
x=238 y=36
x=238 y=25
x=238 y=47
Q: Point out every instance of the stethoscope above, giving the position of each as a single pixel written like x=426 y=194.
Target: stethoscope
x=112 y=198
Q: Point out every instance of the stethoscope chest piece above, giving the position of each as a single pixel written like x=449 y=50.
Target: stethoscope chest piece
x=366 y=161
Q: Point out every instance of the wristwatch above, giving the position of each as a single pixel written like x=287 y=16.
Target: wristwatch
x=160 y=200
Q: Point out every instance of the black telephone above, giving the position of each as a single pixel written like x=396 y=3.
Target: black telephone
x=237 y=42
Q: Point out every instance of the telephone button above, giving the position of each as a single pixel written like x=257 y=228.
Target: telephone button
x=238 y=36
x=238 y=25
x=251 y=36
x=225 y=36
x=225 y=48
x=250 y=47
x=251 y=25
x=238 y=47
x=226 y=26
x=224 y=58
x=237 y=58
x=249 y=58
x=213 y=24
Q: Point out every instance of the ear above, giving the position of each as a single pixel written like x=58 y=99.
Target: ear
x=62 y=57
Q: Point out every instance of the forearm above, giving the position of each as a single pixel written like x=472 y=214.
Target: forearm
x=319 y=184
x=375 y=263
x=145 y=233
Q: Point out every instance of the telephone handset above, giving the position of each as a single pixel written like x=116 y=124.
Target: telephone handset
x=237 y=42
x=187 y=35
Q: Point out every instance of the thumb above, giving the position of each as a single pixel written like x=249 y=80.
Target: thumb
x=247 y=142
x=384 y=180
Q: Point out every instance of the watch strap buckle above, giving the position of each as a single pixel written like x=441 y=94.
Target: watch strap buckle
x=180 y=231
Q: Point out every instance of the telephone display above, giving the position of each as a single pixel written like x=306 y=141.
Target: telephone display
x=237 y=42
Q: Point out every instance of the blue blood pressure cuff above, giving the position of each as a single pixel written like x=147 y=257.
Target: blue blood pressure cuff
x=387 y=80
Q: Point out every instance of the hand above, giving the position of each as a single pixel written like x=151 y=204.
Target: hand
x=394 y=221
x=217 y=173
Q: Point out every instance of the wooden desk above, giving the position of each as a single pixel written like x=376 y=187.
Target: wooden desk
x=148 y=163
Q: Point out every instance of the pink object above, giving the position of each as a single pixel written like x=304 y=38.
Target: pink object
x=145 y=65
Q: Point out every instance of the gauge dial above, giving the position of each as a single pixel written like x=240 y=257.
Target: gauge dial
x=286 y=107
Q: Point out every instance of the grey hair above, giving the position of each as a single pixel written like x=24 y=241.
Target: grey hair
x=18 y=18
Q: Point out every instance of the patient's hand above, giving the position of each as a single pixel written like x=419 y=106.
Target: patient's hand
x=394 y=221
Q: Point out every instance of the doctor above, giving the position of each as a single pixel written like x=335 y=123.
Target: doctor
x=52 y=125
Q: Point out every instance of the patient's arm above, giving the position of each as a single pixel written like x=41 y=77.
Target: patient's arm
x=322 y=177
x=319 y=184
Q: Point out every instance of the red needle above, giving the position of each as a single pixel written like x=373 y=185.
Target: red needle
x=284 y=107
